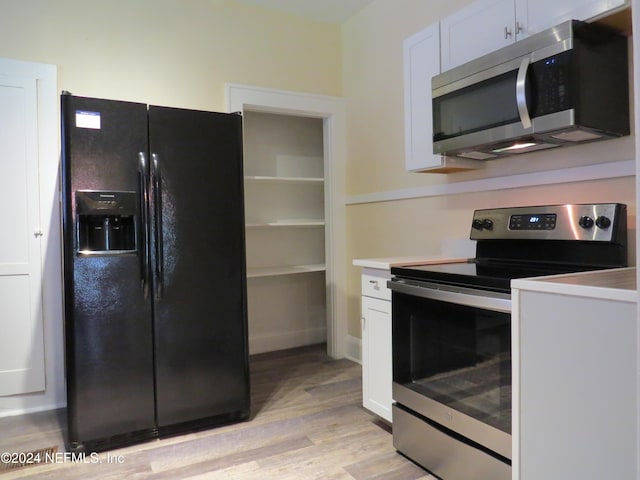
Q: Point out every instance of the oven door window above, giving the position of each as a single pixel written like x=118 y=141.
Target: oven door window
x=456 y=355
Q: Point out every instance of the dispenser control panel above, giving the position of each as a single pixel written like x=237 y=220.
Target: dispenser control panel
x=106 y=222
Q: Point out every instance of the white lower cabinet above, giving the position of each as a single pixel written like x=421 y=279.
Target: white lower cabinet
x=376 y=342
x=575 y=367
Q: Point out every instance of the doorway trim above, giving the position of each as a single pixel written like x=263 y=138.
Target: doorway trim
x=332 y=111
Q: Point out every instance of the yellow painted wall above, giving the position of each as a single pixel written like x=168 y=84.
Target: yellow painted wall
x=166 y=52
x=182 y=52
x=373 y=86
x=171 y=52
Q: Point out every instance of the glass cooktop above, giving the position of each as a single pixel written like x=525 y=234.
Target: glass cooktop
x=484 y=274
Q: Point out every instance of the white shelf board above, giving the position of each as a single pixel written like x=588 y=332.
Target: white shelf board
x=284 y=270
x=266 y=179
x=287 y=223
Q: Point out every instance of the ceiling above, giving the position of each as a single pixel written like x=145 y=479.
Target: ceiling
x=332 y=11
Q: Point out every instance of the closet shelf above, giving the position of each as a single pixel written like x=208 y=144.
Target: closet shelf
x=257 y=272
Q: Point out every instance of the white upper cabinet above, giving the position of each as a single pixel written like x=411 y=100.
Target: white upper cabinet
x=480 y=28
x=487 y=25
x=421 y=63
x=536 y=15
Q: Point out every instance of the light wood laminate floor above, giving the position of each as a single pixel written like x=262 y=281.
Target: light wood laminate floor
x=307 y=423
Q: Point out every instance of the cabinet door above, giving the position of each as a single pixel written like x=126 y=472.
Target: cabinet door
x=533 y=16
x=421 y=63
x=376 y=356
x=480 y=28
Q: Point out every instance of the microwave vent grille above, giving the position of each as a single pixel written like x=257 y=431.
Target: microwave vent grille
x=577 y=136
x=476 y=155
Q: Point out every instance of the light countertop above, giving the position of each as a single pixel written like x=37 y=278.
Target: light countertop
x=387 y=262
x=614 y=284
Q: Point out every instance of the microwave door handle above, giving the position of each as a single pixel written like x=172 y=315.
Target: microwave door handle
x=521 y=93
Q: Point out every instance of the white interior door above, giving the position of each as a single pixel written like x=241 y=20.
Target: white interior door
x=21 y=324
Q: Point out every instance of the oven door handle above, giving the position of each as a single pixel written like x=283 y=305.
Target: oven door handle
x=495 y=301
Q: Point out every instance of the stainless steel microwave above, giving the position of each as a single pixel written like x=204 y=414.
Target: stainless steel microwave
x=563 y=86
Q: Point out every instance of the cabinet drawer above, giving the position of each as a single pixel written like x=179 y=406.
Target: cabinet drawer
x=374 y=284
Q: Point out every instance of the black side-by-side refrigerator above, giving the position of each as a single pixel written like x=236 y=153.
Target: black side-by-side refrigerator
x=154 y=271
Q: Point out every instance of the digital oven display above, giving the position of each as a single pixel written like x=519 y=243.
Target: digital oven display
x=533 y=221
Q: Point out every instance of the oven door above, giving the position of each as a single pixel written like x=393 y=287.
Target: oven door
x=452 y=360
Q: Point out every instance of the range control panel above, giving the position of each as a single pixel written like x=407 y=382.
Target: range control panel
x=588 y=222
x=533 y=221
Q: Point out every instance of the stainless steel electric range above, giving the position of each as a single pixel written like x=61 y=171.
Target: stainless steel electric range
x=452 y=331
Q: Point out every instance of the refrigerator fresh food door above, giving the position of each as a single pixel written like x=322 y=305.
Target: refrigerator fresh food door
x=199 y=270
x=108 y=329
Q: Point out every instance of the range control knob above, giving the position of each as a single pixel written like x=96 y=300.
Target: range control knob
x=585 y=222
x=476 y=224
x=487 y=224
x=603 y=222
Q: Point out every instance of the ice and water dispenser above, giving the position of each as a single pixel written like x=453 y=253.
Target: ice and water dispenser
x=106 y=222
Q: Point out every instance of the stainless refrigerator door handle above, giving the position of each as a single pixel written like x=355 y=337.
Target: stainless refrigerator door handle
x=157 y=202
x=144 y=220
x=521 y=93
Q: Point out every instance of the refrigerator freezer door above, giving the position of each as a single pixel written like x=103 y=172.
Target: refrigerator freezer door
x=109 y=346
x=200 y=282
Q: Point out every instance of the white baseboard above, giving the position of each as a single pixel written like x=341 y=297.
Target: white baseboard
x=26 y=411
x=353 y=350
x=284 y=340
